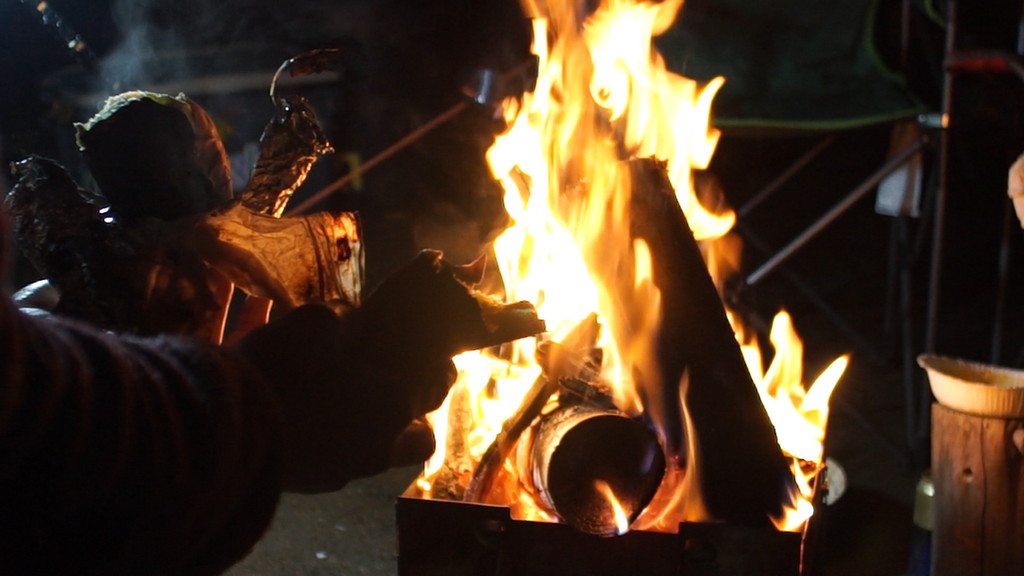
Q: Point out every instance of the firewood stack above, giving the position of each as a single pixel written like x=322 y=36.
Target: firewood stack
x=742 y=472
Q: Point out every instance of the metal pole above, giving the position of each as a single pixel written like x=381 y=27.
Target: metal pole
x=377 y=159
x=1002 y=281
x=781 y=179
x=862 y=344
x=939 y=218
x=834 y=213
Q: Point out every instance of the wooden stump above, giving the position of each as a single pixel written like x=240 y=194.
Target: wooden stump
x=978 y=469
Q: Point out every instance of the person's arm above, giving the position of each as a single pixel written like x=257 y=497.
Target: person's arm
x=347 y=392
x=167 y=455
x=129 y=456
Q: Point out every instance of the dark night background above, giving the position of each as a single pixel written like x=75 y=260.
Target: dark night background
x=407 y=62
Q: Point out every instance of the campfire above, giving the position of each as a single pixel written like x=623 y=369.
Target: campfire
x=644 y=426
x=647 y=405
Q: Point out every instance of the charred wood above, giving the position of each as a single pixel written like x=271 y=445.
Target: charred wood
x=453 y=477
x=558 y=361
x=580 y=453
x=483 y=483
x=744 y=473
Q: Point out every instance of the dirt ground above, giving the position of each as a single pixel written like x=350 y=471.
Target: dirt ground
x=350 y=532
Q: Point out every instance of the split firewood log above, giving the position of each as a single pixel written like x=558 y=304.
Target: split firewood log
x=559 y=361
x=744 y=473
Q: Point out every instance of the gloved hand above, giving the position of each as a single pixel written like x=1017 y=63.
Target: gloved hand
x=349 y=384
x=344 y=405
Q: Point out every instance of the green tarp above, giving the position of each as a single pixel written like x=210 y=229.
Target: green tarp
x=788 y=63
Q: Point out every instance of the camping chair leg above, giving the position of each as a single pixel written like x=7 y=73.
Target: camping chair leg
x=939 y=215
x=807 y=235
x=859 y=341
x=1002 y=281
x=766 y=192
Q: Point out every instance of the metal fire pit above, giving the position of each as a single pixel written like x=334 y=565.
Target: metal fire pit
x=452 y=538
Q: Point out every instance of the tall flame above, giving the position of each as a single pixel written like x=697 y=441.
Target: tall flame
x=603 y=95
x=799 y=414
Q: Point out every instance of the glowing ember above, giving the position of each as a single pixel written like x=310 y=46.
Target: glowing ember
x=603 y=96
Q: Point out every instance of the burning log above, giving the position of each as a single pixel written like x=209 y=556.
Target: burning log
x=596 y=468
x=482 y=485
x=559 y=360
x=588 y=464
x=746 y=480
x=451 y=480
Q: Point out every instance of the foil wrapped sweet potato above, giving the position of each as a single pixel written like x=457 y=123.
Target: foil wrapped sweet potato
x=156 y=155
x=156 y=247
x=159 y=246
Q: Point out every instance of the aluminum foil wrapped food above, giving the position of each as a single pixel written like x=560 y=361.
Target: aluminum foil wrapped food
x=291 y=143
x=142 y=277
x=292 y=261
x=156 y=248
x=66 y=233
x=161 y=244
x=156 y=155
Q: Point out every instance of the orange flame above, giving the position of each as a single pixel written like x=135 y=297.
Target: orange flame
x=602 y=95
x=621 y=520
x=799 y=414
x=679 y=498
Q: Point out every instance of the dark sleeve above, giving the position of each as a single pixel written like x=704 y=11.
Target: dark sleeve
x=129 y=456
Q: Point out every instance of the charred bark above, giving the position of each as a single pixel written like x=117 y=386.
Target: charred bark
x=744 y=473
